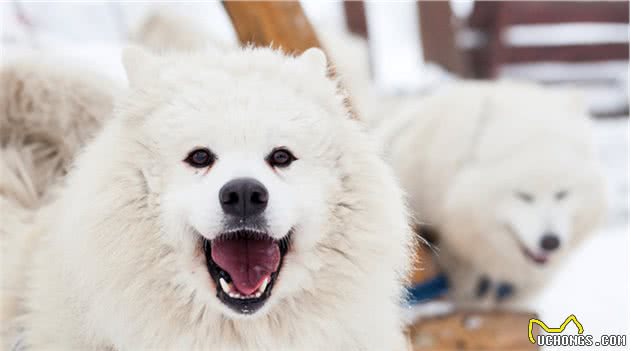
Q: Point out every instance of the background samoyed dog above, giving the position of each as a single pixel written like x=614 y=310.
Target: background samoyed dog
x=230 y=204
x=507 y=175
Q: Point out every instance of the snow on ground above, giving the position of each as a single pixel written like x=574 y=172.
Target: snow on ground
x=593 y=285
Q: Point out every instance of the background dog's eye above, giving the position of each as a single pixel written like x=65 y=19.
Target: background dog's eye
x=562 y=194
x=280 y=158
x=200 y=158
x=524 y=196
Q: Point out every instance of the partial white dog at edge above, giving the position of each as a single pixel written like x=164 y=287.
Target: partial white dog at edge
x=50 y=109
x=507 y=174
x=142 y=249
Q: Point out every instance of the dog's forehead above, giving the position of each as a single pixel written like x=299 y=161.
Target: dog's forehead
x=240 y=119
x=541 y=181
x=239 y=103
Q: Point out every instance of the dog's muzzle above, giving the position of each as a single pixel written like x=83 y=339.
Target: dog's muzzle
x=244 y=260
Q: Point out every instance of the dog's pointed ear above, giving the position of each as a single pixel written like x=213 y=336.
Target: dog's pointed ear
x=138 y=64
x=316 y=58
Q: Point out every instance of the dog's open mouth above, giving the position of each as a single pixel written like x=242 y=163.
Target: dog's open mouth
x=537 y=258
x=244 y=265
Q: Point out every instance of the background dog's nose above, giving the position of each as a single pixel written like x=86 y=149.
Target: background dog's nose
x=243 y=197
x=550 y=242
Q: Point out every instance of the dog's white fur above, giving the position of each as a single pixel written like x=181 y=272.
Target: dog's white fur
x=164 y=30
x=42 y=128
x=463 y=154
x=115 y=262
x=49 y=109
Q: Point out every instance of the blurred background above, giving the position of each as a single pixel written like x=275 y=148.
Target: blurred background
x=581 y=43
x=412 y=48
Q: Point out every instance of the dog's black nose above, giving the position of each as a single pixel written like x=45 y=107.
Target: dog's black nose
x=550 y=242
x=243 y=197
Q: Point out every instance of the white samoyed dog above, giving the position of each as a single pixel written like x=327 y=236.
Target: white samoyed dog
x=507 y=174
x=229 y=204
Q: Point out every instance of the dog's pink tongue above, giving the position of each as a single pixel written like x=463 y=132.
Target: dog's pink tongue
x=247 y=261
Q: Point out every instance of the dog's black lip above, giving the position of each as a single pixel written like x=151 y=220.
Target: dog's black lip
x=243 y=306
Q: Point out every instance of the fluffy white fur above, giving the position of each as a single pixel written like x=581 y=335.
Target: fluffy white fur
x=115 y=263
x=164 y=30
x=48 y=111
x=464 y=154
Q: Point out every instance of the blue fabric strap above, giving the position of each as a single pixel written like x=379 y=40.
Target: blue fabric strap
x=428 y=290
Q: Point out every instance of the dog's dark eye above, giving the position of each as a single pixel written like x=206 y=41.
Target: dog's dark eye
x=561 y=194
x=524 y=196
x=200 y=158
x=280 y=158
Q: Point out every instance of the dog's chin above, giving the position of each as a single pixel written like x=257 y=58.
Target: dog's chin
x=244 y=264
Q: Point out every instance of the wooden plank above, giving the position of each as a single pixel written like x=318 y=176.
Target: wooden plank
x=467 y=330
x=487 y=17
x=537 y=12
x=356 y=21
x=484 y=14
x=438 y=36
x=566 y=53
x=492 y=17
x=279 y=24
x=479 y=59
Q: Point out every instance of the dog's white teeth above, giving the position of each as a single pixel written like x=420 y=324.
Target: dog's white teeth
x=240 y=296
x=263 y=286
x=227 y=287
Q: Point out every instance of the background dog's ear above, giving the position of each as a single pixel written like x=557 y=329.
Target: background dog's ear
x=138 y=64
x=316 y=58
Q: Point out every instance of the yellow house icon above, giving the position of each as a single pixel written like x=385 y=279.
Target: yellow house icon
x=544 y=326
